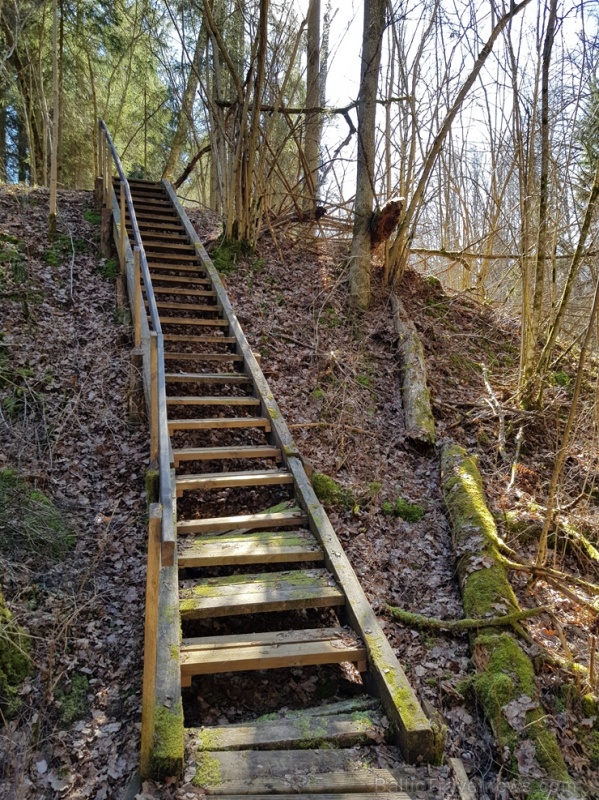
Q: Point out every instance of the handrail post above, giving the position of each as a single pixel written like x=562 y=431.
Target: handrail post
x=123 y=233
x=137 y=296
x=150 y=638
x=107 y=174
x=154 y=435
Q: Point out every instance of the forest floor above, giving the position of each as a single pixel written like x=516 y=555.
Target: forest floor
x=64 y=426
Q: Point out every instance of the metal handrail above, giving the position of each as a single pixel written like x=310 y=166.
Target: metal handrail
x=164 y=460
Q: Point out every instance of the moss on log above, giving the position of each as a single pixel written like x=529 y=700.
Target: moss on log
x=505 y=680
x=420 y=423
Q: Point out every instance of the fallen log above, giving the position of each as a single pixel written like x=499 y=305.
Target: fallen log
x=505 y=681
x=420 y=423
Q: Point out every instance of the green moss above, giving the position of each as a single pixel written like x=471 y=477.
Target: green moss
x=330 y=492
x=487 y=589
x=167 y=753
x=318 y=394
x=72 y=700
x=208 y=739
x=30 y=523
x=92 y=217
x=593 y=742
x=208 y=771
x=152 y=485
x=15 y=663
x=410 y=512
x=109 y=269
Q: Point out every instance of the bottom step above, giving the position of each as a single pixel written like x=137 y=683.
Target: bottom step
x=299 y=729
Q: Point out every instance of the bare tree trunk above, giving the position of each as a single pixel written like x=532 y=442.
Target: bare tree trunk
x=313 y=119
x=185 y=118
x=359 y=267
x=529 y=381
x=55 y=125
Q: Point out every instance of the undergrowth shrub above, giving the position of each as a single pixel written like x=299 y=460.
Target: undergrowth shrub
x=14 y=660
x=30 y=523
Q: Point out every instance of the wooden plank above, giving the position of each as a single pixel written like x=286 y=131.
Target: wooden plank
x=466 y=789
x=213 y=401
x=364 y=785
x=209 y=323
x=150 y=636
x=267 y=591
x=151 y=252
x=207 y=377
x=158 y=265
x=280 y=519
x=216 y=453
x=185 y=292
x=223 y=480
x=341 y=731
x=165 y=304
x=185 y=246
x=151 y=224
x=181 y=279
x=257 y=547
x=343 y=636
x=218 y=422
x=293 y=770
x=223 y=357
x=253 y=657
x=186 y=337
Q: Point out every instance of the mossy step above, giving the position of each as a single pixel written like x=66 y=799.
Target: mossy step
x=278 y=519
x=254 y=547
x=301 y=731
x=217 y=654
x=270 y=591
x=221 y=480
x=301 y=772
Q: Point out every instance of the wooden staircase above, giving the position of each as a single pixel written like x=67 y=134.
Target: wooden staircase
x=251 y=540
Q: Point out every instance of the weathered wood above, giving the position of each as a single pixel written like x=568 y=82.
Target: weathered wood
x=193 y=400
x=181 y=279
x=136 y=396
x=207 y=377
x=419 y=420
x=153 y=252
x=154 y=435
x=213 y=338
x=185 y=292
x=238 y=658
x=158 y=265
x=259 y=547
x=278 y=519
x=98 y=191
x=137 y=298
x=221 y=480
x=270 y=591
x=303 y=730
x=165 y=304
x=207 y=323
x=229 y=358
x=216 y=453
x=252 y=767
x=218 y=422
x=466 y=789
x=150 y=637
x=106 y=233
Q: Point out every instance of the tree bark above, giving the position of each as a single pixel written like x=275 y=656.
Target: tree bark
x=313 y=119
x=55 y=125
x=359 y=266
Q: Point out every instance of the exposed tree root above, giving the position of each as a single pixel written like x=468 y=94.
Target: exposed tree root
x=505 y=620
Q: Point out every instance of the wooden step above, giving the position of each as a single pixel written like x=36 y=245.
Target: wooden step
x=147 y=216
x=148 y=226
x=339 y=772
x=183 y=291
x=161 y=208
x=226 y=480
x=212 y=323
x=229 y=358
x=186 y=306
x=282 y=734
x=278 y=519
x=256 y=547
x=212 y=654
x=209 y=339
x=218 y=422
x=267 y=591
x=182 y=279
x=217 y=453
x=192 y=400
x=158 y=265
x=167 y=257
x=185 y=246
x=207 y=377
x=178 y=237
